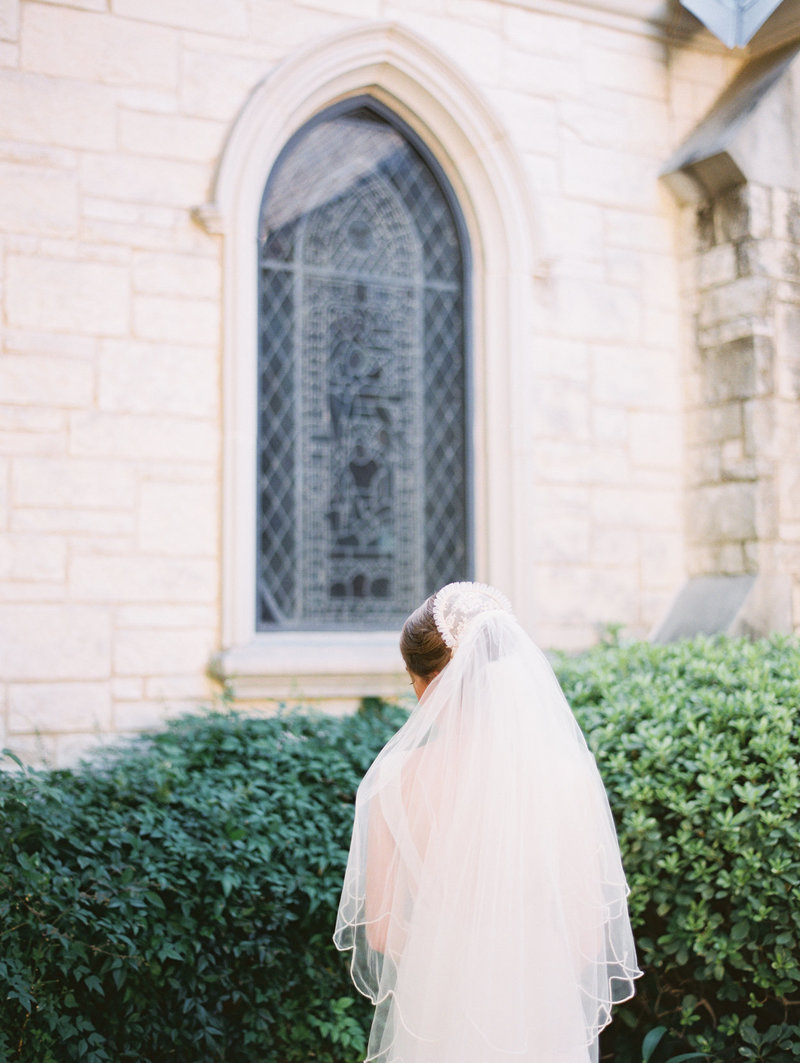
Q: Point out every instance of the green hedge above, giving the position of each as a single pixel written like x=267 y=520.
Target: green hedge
x=175 y=900
x=699 y=746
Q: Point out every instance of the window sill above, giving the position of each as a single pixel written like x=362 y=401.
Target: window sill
x=313 y=666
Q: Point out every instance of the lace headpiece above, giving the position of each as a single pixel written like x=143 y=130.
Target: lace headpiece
x=455 y=605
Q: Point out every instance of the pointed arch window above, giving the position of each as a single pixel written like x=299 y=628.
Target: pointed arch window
x=363 y=495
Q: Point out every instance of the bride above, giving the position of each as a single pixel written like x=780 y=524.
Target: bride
x=484 y=898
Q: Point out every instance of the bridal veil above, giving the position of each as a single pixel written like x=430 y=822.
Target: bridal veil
x=484 y=899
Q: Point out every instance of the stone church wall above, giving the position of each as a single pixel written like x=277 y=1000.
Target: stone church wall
x=114 y=114
x=744 y=411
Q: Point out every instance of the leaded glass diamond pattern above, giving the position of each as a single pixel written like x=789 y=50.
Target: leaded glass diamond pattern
x=362 y=489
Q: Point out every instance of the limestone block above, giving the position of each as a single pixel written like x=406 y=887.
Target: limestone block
x=559 y=409
x=539 y=33
x=29 y=341
x=610 y=424
x=717 y=265
x=740 y=369
x=157 y=182
x=101 y=49
x=60 y=483
x=649 y=125
x=634 y=377
x=562 y=462
x=154 y=653
x=746 y=297
x=575 y=591
x=128 y=234
x=192 y=689
x=127 y=689
x=790 y=534
x=189 y=276
x=134 y=717
x=572 y=228
x=730 y=216
x=84 y=297
x=226 y=20
x=759 y=210
x=54 y=707
x=214 y=85
x=610 y=177
x=660 y=328
x=278 y=36
x=656 y=439
x=178 y=519
x=35 y=200
x=598 y=312
x=5 y=466
x=138 y=214
x=136 y=578
x=83 y=5
x=69 y=749
x=720 y=559
x=557 y=358
x=703 y=466
x=721 y=513
x=52 y=642
x=35 y=750
x=599 y=119
x=9 y=20
x=643 y=232
x=46 y=110
x=789 y=488
x=631 y=72
x=624 y=267
x=661 y=559
x=543 y=172
x=553 y=77
x=767 y=515
x=557 y=539
x=184 y=321
x=633 y=507
x=713 y=424
x=784 y=211
x=734 y=465
x=174 y=615
x=181 y=471
x=48 y=381
x=135 y=436
x=471 y=46
x=609 y=464
x=75 y=522
x=18 y=444
x=761 y=438
x=33 y=557
x=613 y=546
x=169 y=136
x=139 y=377
x=787 y=344
x=532 y=123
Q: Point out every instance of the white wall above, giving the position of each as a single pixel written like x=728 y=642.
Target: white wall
x=111 y=125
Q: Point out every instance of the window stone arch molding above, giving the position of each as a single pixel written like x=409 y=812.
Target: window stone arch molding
x=440 y=105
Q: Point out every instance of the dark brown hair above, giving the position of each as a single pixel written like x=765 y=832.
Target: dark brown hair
x=423 y=648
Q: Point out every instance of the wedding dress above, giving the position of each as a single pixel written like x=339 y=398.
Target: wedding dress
x=484 y=899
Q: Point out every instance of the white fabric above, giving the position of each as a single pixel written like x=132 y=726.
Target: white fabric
x=458 y=603
x=484 y=898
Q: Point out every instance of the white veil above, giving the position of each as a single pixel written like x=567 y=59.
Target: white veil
x=484 y=898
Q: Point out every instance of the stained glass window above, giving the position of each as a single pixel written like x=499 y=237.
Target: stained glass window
x=363 y=493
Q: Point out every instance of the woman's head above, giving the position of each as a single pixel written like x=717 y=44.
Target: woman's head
x=423 y=648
